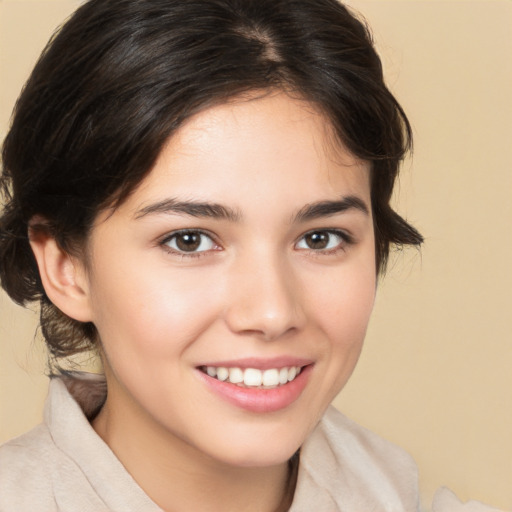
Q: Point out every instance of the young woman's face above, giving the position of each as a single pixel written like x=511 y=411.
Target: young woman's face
x=245 y=255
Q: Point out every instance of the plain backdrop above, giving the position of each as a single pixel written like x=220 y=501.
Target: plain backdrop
x=435 y=374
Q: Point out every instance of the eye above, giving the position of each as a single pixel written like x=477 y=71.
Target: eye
x=189 y=242
x=323 y=240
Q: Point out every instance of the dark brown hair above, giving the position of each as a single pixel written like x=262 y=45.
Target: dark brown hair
x=121 y=76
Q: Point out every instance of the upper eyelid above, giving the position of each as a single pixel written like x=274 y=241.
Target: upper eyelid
x=168 y=236
x=343 y=233
x=163 y=242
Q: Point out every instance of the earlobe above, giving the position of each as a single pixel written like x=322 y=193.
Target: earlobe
x=63 y=276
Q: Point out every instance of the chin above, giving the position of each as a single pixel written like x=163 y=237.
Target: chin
x=259 y=459
x=259 y=449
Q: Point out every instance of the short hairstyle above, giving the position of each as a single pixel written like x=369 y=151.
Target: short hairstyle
x=121 y=76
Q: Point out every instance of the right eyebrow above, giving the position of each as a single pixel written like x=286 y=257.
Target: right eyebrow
x=192 y=208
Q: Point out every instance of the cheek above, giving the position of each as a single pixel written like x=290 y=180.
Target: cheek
x=341 y=303
x=344 y=305
x=153 y=313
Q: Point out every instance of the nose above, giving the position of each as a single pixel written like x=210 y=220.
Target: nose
x=264 y=298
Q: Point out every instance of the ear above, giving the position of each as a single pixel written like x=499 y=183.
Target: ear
x=64 y=277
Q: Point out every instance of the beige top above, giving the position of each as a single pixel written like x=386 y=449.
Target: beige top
x=63 y=465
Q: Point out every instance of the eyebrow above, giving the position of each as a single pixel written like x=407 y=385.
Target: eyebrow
x=217 y=211
x=328 y=208
x=192 y=208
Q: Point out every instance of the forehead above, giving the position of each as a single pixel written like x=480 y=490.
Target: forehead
x=270 y=148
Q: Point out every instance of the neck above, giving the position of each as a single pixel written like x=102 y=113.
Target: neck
x=180 y=478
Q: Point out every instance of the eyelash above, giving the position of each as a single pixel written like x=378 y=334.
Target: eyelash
x=187 y=254
x=345 y=240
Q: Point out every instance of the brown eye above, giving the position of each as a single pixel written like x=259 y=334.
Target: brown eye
x=190 y=241
x=317 y=240
x=321 y=240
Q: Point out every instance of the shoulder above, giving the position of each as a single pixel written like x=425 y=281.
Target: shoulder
x=63 y=465
x=25 y=473
x=356 y=469
x=27 y=453
x=446 y=501
x=42 y=470
x=349 y=439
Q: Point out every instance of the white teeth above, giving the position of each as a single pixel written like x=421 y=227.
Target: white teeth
x=222 y=373
x=236 y=375
x=253 y=377
x=271 y=377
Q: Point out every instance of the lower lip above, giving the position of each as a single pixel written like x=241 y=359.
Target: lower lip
x=257 y=399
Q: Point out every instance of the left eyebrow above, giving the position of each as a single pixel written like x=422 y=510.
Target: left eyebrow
x=328 y=208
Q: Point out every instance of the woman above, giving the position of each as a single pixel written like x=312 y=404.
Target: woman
x=199 y=191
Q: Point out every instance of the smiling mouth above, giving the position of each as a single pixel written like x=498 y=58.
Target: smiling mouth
x=253 y=377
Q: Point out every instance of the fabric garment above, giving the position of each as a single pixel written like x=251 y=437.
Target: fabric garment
x=446 y=501
x=63 y=465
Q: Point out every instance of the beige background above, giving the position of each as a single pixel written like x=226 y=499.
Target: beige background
x=435 y=376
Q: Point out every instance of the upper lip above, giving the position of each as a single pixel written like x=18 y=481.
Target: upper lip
x=260 y=363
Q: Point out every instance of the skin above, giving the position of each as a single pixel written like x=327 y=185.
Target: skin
x=258 y=289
